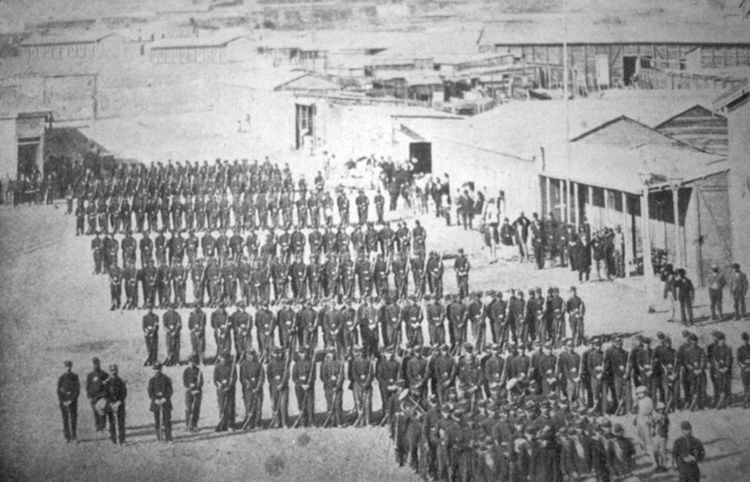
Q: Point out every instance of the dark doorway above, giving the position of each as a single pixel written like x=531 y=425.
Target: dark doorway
x=420 y=154
x=28 y=151
x=304 y=124
x=628 y=68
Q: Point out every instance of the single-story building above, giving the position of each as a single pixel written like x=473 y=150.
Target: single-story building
x=226 y=46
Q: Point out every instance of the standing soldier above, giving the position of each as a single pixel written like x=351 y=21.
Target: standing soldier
x=115 y=286
x=716 y=283
x=685 y=295
x=285 y=319
x=197 y=276
x=252 y=376
x=115 y=392
x=151 y=333
x=400 y=276
x=192 y=380
x=241 y=324
x=388 y=374
x=212 y=276
x=457 y=324
x=494 y=370
x=738 y=287
x=435 y=274
x=179 y=278
x=475 y=313
x=595 y=370
x=197 y=327
x=390 y=323
x=332 y=372
x=537 y=241
x=97 y=251
x=362 y=374
x=146 y=246
x=568 y=370
x=303 y=375
x=68 y=390
x=743 y=361
x=614 y=381
x=172 y=326
x=95 y=387
x=695 y=370
x=412 y=318
x=496 y=311
x=687 y=451
x=379 y=204
x=149 y=277
x=462 y=267
x=130 y=280
x=160 y=393
x=435 y=314
x=219 y=324
x=721 y=362
x=163 y=276
x=225 y=378
x=264 y=325
x=576 y=309
x=278 y=388
x=363 y=203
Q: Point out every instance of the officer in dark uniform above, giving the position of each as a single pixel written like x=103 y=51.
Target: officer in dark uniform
x=252 y=377
x=361 y=376
x=116 y=392
x=241 y=324
x=435 y=319
x=97 y=252
x=687 y=451
x=151 y=333
x=160 y=393
x=721 y=362
x=444 y=371
x=220 y=326
x=95 y=390
x=68 y=390
x=743 y=362
x=192 y=380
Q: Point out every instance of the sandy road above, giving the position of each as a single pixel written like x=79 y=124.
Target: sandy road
x=52 y=308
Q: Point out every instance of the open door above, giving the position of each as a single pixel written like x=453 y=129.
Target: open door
x=304 y=125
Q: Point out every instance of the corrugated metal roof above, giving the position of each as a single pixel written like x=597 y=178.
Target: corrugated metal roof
x=219 y=39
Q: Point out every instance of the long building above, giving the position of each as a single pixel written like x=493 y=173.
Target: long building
x=604 y=54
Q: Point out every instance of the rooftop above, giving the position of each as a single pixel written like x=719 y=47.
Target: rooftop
x=85 y=36
x=220 y=39
x=548 y=29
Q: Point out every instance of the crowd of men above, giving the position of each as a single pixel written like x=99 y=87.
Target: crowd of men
x=471 y=412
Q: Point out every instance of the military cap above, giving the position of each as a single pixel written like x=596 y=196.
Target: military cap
x=618 y=429
x=157 y=366
x=68 y=363
x=240 y=304
x=693 y=337
x=605 y=423
x=175 y=304
x=660 y=335
x=222 y=305
x=198 y=303
x=736 y=265
x=113 y=367
x=95 y=360
x=685 y=425
x=718 y=335
x=745 y=336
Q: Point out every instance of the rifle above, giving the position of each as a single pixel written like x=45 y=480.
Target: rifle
x=248 y=415
x=627 y=381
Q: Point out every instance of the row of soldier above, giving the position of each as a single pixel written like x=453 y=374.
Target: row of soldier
x=222 y=212
x=472 y=427
x=391 y=322
x=229 y=245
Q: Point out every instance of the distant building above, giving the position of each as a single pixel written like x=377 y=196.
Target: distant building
x=603 y=54
x=85 y=45
x=736 y=104
x=223 y=47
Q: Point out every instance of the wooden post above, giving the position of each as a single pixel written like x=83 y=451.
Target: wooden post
x=591 y=205
x=576 y=206
x=546 y=207
x=648 y=271
x=674 y=184
x=628 y=254
x=607 y=207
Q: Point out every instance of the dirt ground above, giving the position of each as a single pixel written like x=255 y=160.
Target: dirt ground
x=52 y=309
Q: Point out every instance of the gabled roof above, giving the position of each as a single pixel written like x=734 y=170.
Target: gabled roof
x=624 y=131
x=695 y=111
x=308 y=82
x=220 y=39
x=733 y=96
x=79 y=38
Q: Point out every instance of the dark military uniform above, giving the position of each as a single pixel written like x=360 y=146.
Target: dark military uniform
x=225 y=378
x=68 y=390
x=160 y=393
x=172 y=327
x=151 y=333
x=192 y=380
x=116 y=392
x=252 y=376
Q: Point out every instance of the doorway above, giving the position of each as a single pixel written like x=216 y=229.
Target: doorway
x=629 y=68
x=420 y=154
x=28 y=155
x=304 y=125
